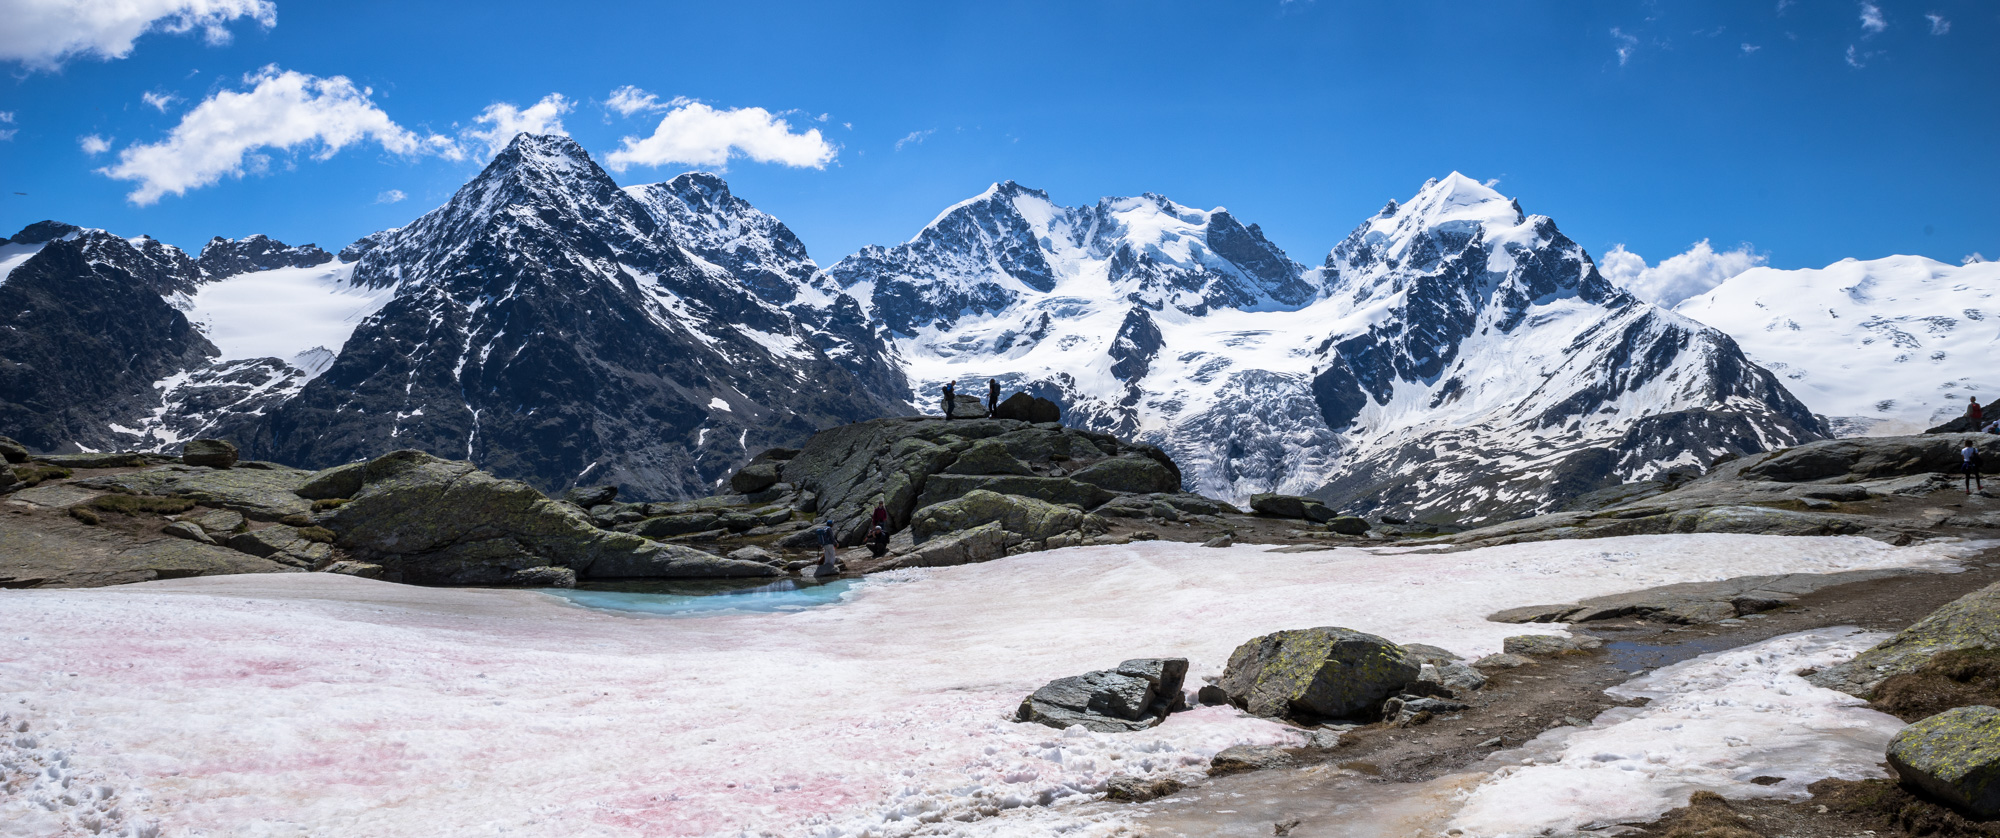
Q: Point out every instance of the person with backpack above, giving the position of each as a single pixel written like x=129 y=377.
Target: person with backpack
x=828 y=564
x=1971 y=467
x=992 y=396
x=950 y=399
x=1974 y=412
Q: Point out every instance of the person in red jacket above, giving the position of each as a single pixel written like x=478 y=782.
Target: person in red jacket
x=1972 y=410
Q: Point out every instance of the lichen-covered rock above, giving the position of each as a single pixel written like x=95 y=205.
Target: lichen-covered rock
x=336 y=482
x=12 y=452
x=900 y=463
x=1026 y=408
x=261 y=494
x=281 y=544
x=187 y=530
x=1126 y=788
x=1954 y=758
x=433 y=521
x=757 y=554
x=982 y=543
x=755 y=477
x=964 y=406
x=212 y=453
x=1137 y=695
x=1969 y=622
x=1865 y=458
x=1128 y=474
x=364 y=570
x=1307 y=675
x=216 y=522
x=987 y=456
x=1060 y=490
x=1028 y=518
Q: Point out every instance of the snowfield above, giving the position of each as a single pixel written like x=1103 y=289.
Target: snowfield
x=296 y=704
x=285 y=313
x=1884 y=347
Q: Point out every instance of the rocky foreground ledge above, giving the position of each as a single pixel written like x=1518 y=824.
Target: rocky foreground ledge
x=955 y=492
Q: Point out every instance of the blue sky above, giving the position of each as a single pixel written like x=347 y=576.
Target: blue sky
x=1811 y=130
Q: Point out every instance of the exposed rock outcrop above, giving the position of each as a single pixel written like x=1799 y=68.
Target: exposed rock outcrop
x=434 y=521
x=1819 y=488
x=910 y=463
x=1969 y=622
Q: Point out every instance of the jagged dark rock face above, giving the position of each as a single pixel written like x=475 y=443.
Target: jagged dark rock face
x=225 y=257
x=549 y=327
x=726 y=230
x=84 y=337
x=1474 y=291
x=43 y=231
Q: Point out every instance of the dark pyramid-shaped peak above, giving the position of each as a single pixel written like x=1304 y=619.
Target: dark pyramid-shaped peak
x=42 y=232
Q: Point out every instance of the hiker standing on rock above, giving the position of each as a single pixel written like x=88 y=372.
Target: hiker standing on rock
x=881 y=516
x=992 y=396
x=828 y=564
x=950 y=399
x=1973 y=412
x=1971 y=466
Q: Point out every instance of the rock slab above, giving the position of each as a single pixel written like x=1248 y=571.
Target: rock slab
x=213 y=453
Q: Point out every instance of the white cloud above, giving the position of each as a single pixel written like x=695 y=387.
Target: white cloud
x=42 y=34
x=1626 y=45
x=1750 y=48
x=94 y=145
x=1871 y=18
x=1972 y=259
x=1490 y=182
x=1939 y=25
x=507 y=121
x=917 y=137
x=159 y=101
x=390 y=197
x=629 y=100
x=1679 y=277
x=1857 y=58
x=698 y=135
x=283 y=110
x=7 y=134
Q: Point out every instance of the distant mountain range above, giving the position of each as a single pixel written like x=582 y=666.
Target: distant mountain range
x=1453 y=358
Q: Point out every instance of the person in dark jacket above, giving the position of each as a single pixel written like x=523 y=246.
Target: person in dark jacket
x=878 y=541
x=992 y=396
x=824 y=535
x=1971 y=467
x=950 y=399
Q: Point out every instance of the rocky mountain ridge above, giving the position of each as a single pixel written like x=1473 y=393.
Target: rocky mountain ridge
x=1453 y=357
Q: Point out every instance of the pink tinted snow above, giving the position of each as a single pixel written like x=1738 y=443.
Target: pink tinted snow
x=238 y=704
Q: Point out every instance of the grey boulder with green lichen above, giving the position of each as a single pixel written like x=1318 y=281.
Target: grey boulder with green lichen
x=336 y=482
x=1954 y=758
x=982 y=543
x=1028 y=518
x=1969 y=622
x=12 y=452
x=433 y=521
x=1306 y=675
